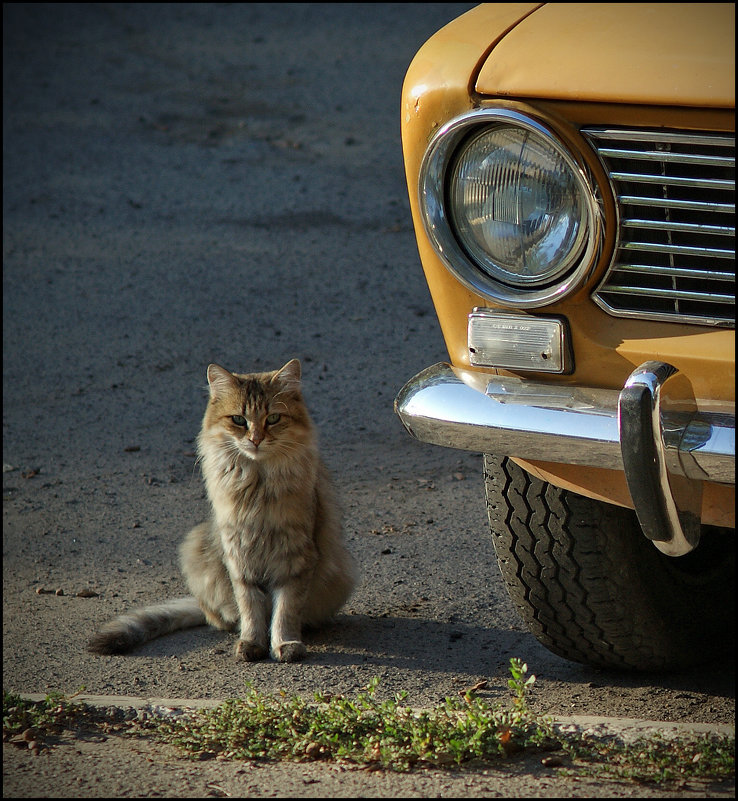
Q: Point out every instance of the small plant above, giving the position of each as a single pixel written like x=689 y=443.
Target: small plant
x=519 y=684
x=29 y=723
x=51 y=714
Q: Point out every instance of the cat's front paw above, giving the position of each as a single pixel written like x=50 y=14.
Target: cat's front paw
x=250 y=651
x=292 y=651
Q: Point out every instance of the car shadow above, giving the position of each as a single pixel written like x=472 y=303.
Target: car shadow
x=419 y=644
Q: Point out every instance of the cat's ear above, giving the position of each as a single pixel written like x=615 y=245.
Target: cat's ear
x=289 y=375
x=219 y=379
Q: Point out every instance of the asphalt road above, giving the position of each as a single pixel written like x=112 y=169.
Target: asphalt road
x=188 y=183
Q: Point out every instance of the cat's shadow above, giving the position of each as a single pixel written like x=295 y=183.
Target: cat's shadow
x=406 y=643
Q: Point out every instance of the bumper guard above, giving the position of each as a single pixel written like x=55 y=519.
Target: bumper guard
x=651 y=430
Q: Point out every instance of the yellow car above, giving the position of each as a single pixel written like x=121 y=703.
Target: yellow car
x=571 y=177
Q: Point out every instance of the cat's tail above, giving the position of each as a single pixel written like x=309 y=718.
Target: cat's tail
x=137 y=627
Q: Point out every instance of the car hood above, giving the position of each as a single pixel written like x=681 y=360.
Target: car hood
x=654 y=53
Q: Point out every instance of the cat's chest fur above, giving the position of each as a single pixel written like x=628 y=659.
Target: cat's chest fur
x=264 y=518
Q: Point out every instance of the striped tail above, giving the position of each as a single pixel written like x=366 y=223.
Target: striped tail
x=127 y=631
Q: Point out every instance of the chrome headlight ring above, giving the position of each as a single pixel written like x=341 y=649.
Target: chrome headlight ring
x=547 y=252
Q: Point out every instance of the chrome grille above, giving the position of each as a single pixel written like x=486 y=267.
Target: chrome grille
x=675 y=255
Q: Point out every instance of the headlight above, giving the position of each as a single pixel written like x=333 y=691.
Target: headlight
x=508 y=208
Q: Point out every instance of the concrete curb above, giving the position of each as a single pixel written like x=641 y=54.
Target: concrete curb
x=592 y=725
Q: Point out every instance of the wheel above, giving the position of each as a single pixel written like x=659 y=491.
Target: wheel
x=593 y=589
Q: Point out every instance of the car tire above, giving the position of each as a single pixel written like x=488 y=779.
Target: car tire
x=593 y=589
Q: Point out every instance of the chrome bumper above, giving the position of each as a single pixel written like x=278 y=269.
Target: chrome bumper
x=651 y=430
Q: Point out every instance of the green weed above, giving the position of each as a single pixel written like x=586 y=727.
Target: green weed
x=655 y=759
x=390 y=735
x=387 y=733
x=51 y=715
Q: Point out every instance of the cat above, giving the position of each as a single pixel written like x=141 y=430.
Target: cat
x=271 y=557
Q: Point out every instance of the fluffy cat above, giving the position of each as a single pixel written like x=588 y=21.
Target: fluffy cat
x=271 y=558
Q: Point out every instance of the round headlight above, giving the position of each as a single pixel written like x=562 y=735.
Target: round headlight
x=517 y=205
x=509 y=209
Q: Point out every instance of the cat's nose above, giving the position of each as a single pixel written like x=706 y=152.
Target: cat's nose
x=256 y=438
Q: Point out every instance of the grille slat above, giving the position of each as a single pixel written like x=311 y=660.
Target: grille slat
x=660 y=155
x=667 y=180
x=716 y=253
x=690 y=205
x=674 y=294
x=675 y=254
x=677 y=272
x=661 y=138
x=692 y=228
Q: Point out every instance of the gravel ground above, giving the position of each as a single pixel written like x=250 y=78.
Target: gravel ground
x=188 y=183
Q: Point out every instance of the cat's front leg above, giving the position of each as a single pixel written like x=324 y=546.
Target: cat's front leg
x=253 y=608
x=286 y=629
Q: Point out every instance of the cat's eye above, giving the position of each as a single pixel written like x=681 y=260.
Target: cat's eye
x=238 y=420
x=273 y=418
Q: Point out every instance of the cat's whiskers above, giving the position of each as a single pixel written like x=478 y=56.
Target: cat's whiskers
x=282 y=403
x=225 y=457
x=290 y=448
x=195 y=465
x=288 y=443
